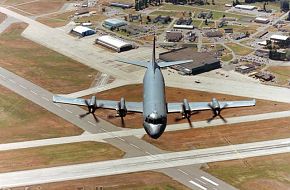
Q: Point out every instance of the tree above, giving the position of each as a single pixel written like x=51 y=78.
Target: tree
x=212 y=2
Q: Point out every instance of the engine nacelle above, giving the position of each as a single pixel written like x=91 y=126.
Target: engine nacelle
x=121 y=108
x=185 y=109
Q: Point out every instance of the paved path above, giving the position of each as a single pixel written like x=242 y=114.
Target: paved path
x=144 y=163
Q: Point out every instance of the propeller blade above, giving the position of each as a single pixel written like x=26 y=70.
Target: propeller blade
x=123 y=122
x=224 y=120
x=95 y=117
x=212 y=118
x=189 y=122
x=84 y=115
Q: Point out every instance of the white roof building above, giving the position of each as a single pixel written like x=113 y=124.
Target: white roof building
x=189 y=27
x=114 y=43
x=83 y=31
x=245 y=7
x=279 y=37
x=262 y=20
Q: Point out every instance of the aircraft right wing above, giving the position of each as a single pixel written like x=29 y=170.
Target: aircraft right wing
x=199 y=106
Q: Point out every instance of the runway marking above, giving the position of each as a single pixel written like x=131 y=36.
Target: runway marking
x=33 y=92
x=77 y=116
x=199 y=181
x=12 y=81
x=57 y=105
x=121 y=139
x=22 y=86
x=197 y=185
x=45 y=98
x=209 y=180
x=68 y=111
x=92 y=123
x=182 y=171
x=135 y=146
x=2 y=76
x=104 y=130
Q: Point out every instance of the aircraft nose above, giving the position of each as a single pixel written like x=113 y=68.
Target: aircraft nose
x=154 y=130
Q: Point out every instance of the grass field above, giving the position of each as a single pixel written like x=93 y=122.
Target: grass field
x=243 y=29
x=238 y=49
x=133 y=181
x=37 y=7
x=281 y=73
x=22 y=120
x=57 y=155
x=259 y=173
x=42 y=66
x=56 y=20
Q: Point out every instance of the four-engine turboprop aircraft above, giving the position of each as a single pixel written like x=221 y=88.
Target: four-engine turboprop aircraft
x=154 y=106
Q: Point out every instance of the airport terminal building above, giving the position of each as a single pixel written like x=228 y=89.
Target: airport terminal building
x=201 y=61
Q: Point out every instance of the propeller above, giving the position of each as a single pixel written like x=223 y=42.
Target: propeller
x=216 y=109
x=187 y=116
x=92 y=107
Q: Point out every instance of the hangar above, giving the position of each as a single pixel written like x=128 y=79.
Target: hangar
x=114 y=43
x=82 y=31
x=201 y=61
x=114 y=23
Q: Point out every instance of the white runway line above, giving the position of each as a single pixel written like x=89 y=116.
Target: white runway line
x=200 y=181
x=209 y=180
x=22 y=86
x=3 y=76
x=57 y=105
x=12 y=81
x=33 y=92
x=182 y=171
x=45 y=98
x=92 y=123
x=135 y=146
x=68 y=111
x=198 y=185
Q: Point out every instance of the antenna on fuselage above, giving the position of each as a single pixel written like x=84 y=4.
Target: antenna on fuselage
x=154 y=64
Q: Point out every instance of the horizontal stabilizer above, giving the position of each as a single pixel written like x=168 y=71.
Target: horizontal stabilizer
x=167 y=64
x=138 y=63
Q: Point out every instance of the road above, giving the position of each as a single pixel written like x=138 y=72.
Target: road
x=144 y=163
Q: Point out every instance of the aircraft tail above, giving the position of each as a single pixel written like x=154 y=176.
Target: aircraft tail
x=153 y=61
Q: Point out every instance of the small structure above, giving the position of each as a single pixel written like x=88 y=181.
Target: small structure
x=214 y=33
x=114 y=43
x=246 y=7
x=82 y=31
x=264 y=76
x=122 y=5
x=162 y=19
x=173 y=36
x=82 y=12
x=262 y=20
x=229 y=30
x=280 y=40
x=201 y=61
x=244 y=69
x=186 y=27
x=238 y=36
x=114 y=23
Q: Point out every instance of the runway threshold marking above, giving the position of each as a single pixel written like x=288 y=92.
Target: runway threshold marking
x=198 y=185
x=33 y=92
x=209 y=180
x=182 y=171
x=12 y=81
x=200 y=181
x=135 y=146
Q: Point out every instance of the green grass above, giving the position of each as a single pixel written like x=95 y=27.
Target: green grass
x=56 y=155
x=243 y=173
x=42 y=66
x=238 y=49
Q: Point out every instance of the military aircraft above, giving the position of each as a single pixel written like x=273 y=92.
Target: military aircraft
x=154 y=106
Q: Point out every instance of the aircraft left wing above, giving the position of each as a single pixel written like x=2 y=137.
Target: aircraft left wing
x=105 y=104
x=199 y=106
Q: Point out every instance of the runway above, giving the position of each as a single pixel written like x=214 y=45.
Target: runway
x=144 y=163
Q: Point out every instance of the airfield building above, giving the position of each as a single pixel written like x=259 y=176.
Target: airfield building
x=114 y=23
x=201 y=61
x=246 y=7
x=122 y=5
x=280 y=40
x=173 y=36
x=262 y=20
x=114 y=43
x=82 y=31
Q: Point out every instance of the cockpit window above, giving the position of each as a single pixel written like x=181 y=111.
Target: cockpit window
x=154 y=121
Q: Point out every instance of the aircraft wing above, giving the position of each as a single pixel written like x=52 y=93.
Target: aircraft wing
x=198 y=106
x=138 y=63
x=167 y=64
x=105 y=104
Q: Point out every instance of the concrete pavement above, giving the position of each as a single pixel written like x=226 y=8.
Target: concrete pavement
x=144 y=163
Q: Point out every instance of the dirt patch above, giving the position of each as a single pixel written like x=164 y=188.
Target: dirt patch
x=2 y=17
x=136 y=181
x=39 y=7
x=57 y=155
x=56 y=20
x=42 y=66
x=135 y=93
x=258 y=173
x=223 y=135
x=22 y=120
